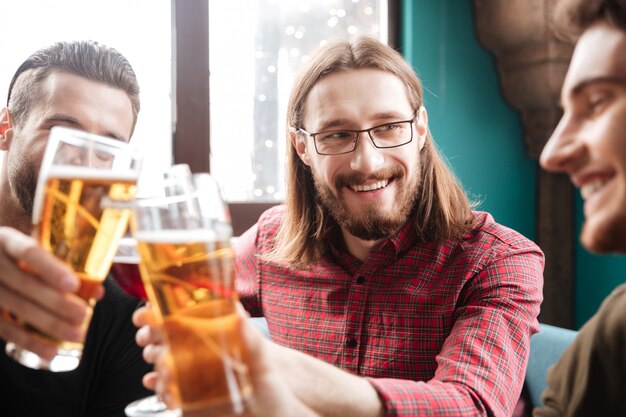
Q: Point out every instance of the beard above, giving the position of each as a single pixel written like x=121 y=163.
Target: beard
x=23 y=181
x=371 y=222
x=605 y=236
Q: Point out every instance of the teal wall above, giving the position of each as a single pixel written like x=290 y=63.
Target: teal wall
x=476 y=130
x=481 y=135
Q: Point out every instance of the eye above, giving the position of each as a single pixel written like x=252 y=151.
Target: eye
x=337 y=135
x=597 y=102
x=387 y=127
x=104 y=156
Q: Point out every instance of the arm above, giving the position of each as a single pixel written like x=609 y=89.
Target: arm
x=286 y=382
x=482 y=364
x=35 y=288
x=247 y=278
x=590 y=377
x=324 y=389
x=480 y=368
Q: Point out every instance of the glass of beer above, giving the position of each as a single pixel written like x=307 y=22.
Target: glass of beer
x=80 y=212
x=188 y=271
x=176 y=180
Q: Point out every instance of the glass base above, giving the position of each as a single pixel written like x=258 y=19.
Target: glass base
x=65 y=360
x=150 y=406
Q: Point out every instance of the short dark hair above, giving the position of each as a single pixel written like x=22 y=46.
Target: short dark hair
x=573 y=17
x=88 y=59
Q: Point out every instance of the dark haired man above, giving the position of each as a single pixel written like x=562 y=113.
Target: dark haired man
x=589 y=145
x=91 y=87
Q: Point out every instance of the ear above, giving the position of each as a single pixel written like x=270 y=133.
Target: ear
x=298 y=141
x=421 y=126
x=6 y=130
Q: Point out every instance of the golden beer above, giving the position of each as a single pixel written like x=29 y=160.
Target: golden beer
x=78 y=225
x=191 y=279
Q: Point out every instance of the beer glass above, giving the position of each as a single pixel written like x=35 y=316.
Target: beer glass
x=188 y=271
x=176 y=180
x=80 y=212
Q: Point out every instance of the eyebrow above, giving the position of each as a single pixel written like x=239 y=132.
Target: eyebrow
x=583 y=84
x=377 y=116
x=72 y=121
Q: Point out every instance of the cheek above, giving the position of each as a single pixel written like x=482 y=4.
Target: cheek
x=409 y=158
x=325 y=170
x=608 y=140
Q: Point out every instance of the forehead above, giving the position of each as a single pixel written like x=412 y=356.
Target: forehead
x=98 y=107
x=600 y=53
x=357 y=93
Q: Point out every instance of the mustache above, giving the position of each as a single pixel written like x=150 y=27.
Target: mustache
x=355 y=178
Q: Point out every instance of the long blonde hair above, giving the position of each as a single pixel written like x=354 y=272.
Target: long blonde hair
x=442 y=210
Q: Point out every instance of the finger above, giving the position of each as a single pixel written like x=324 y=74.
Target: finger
x=149 y=335
x=165 y=382
x=151 y=353
x=20 y=290
x=20 y=247
x=150 y=380
x=64 y=325
x=12 y=332
x=98 y=293
x=143 y=316
x=25 y=292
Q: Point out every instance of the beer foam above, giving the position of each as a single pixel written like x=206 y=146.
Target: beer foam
x=176 y=236
x=86 y=173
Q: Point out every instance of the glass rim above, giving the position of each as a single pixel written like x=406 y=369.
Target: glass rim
x=151 y=201
x=77 y=137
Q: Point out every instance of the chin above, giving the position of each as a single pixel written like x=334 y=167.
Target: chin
x=604 y=236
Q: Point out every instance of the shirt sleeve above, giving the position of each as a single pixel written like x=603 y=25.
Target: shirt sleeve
x=246 y=266
x=590 y=377
x=481 y=367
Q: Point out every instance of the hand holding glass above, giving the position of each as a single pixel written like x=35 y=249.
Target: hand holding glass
x=75 y=218
x=187 y=267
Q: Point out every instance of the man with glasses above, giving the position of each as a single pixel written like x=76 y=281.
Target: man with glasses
x=384 y=293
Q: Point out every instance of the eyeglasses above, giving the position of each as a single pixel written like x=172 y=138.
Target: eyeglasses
x=385 y=136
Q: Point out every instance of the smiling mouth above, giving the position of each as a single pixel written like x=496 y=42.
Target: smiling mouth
x=371 y=187
x=590 y=188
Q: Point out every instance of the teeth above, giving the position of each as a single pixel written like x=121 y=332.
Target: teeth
x=590 y=188
x=371 y=187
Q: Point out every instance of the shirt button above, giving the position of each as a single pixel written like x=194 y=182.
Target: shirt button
x=360 y=279
x=351 y=342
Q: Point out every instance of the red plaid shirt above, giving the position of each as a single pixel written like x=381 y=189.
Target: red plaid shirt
x=440 y=329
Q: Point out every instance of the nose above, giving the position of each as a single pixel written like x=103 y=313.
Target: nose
x=563 y=150
x=366 y=157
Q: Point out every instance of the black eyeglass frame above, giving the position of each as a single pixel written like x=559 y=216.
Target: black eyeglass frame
x=357 y=134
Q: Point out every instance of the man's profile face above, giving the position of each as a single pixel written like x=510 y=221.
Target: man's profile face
x=589 y=144
x=66 y=100
x=370 y=191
